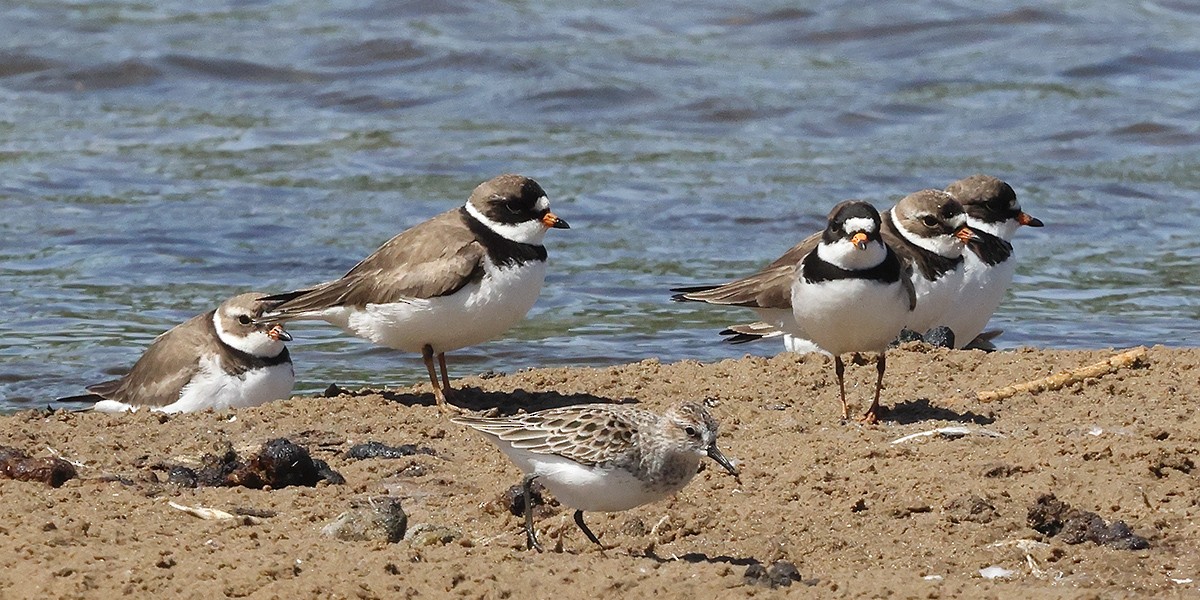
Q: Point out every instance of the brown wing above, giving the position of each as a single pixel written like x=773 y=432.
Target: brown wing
x=435 y=258
x=163 y=369
x=797 y=252
x=570 y=432
x=770 y=287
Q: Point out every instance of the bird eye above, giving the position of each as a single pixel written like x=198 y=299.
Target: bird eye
x=929 y=221
x=690 y=431
x=512 y=207
x=244 y=319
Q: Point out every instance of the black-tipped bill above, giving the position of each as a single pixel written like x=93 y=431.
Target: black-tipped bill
x=716 y=455
x=859 y=239
x=966 y=234
x=278 y=334
x=1030 y=220
x=552 y=221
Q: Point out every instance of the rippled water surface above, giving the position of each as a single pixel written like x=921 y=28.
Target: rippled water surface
x=157 y=157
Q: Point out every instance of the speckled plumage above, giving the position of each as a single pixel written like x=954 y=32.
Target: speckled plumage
x=605 y=457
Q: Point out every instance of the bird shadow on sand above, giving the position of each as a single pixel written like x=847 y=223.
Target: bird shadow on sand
x=921 y=409
x=700 y=557
x=502 y=403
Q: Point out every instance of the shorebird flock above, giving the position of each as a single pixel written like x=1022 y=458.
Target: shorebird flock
x=934 y=266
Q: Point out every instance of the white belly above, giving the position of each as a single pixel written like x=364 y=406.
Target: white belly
x=590 y=489
x=981 y=292
x=849 y=315
x=785 y=320
x=935 y=300
x=478 y=312
x=213 y=388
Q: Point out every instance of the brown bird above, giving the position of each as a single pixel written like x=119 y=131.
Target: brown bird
x=221 y=359
x=461 y=278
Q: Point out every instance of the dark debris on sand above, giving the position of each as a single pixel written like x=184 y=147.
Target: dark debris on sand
x=781 y=573
x=381 y=450
x=513 y=499
x=1055 y=518
x=278 y=464
x=52 y=471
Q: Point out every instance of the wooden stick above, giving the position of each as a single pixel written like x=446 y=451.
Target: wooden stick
x=1057 y=381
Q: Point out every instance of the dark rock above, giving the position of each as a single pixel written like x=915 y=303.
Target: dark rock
x=52 y=471
x=906 y=335
x=940 y=337
x=1052 y=517
x=514 y=499
x=182 y=477
x=780 y=574
x=381 y=450
x=324 y=471
x=378 y=518
x=279 y=464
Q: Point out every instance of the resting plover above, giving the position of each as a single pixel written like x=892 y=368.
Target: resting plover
x=221 y=359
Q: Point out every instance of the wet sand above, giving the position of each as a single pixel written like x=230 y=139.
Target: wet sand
x=857 y=512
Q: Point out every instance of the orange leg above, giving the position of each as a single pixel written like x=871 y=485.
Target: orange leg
x=871 y=417
x=840 y=368
x=439 y=391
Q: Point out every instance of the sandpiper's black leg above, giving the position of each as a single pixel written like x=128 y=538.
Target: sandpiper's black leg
x=586 y=531
x=531 y=542
x=840 y=369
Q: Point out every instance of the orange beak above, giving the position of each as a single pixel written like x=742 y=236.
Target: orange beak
x=278 y=334
x=965 y=234
x=859 y=240
x=552 y=221
x=1031 y=221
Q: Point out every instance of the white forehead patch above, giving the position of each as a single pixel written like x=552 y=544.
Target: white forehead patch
x=542 y=203
x=858 y=224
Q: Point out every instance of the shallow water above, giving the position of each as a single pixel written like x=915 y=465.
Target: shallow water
x=159 y=157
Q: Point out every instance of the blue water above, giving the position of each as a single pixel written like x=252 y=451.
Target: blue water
x=156 y=158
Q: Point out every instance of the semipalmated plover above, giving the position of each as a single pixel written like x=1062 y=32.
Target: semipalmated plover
x=926 y=229
x=604 y=457
x=994 y=213
x=461 y=278
x=221 y=359
x=851 y=293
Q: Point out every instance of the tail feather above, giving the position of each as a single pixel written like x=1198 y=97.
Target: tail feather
x=984 y=341
x=272 y=313
x=277 y=299
x=681 y=294
x=750 y=332
x=92 y=398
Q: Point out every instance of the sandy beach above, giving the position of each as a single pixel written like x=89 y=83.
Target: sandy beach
x=858 y=511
